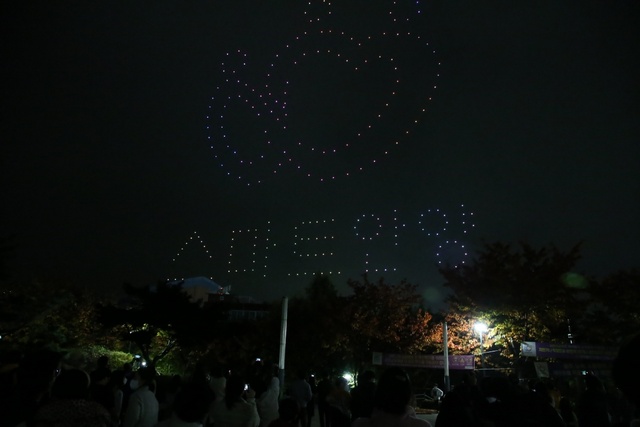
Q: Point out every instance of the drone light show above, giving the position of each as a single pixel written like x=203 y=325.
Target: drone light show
x=333 y=101
x=257 y=143
x=389 y=243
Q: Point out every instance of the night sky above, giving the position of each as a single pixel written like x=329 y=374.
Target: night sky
x=231 y=139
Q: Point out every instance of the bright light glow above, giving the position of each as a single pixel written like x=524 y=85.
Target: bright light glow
x=350 y=378
x=480 y=327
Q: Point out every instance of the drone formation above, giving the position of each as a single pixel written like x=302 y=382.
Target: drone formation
x=333 y=100
x=381 y=242
x=327 y=104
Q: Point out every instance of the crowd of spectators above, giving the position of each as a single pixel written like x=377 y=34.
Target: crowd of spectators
x=41 y=390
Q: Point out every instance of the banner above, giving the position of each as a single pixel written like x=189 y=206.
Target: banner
x=575 y=369
x=542 y=369
x=434 y=361
x=567 y=351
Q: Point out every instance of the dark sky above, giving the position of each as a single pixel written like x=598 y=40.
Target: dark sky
x=122 y=139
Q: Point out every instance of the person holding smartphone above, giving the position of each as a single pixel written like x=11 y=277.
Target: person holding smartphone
x=238 y=408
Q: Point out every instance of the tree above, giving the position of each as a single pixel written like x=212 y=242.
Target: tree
x=43 y=313
x=520 y=292
x=159 y=318
x=614 y=313
x=237 y=343
x=316 y=335
x=461 y=338
x=385 y=318
x=47 y=314
x=20 y=302
x=7 y=251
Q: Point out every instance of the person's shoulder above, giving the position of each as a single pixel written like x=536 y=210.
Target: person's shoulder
x=361 y=422
x=388 y=420
x=148 y=394
x=165 y=423
x=411 y=419
x=281 y=423
x=143 y=395
x=418 y=422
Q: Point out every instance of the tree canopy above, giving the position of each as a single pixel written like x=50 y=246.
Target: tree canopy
x=159 y=318
x=385 y=317
x=519 y=290
x=523 y=293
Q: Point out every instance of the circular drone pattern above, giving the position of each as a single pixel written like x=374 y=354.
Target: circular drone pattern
x=328 y=104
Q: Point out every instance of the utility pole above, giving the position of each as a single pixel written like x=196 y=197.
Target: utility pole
x=283 y=342
x=445 y=344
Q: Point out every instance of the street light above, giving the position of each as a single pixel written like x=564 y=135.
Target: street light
x=481 y=328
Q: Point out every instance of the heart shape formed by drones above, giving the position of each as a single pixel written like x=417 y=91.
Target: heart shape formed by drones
x=328 y=105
